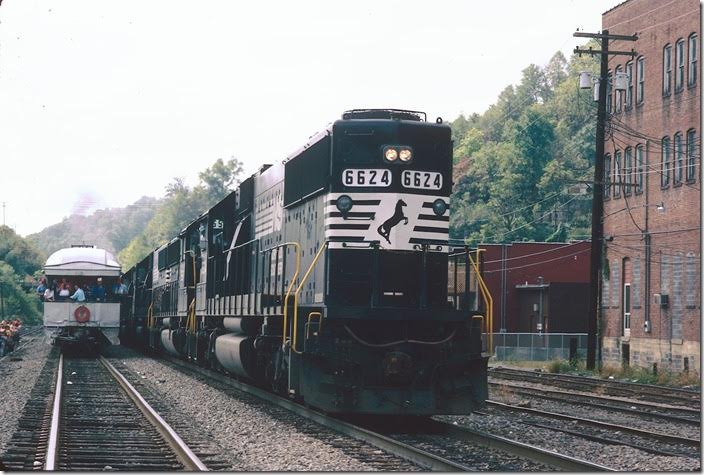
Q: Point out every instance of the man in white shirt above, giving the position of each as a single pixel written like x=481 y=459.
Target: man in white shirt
x=79 y=295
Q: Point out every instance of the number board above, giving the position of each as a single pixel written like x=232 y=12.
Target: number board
x=421 y=180
x=366 y=177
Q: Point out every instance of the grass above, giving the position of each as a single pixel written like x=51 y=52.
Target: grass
x=633 y=374
x=664 y=377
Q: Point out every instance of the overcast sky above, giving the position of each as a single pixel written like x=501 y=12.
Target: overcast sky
x=104 y=102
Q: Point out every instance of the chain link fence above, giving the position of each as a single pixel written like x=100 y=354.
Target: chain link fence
x=539 y=346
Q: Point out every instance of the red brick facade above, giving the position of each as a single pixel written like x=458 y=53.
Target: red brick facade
x=508 y=266
x=652 y=215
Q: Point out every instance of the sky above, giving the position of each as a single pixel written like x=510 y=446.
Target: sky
x=102 y=102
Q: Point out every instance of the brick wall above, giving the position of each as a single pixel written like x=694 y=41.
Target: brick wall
x=673 y=265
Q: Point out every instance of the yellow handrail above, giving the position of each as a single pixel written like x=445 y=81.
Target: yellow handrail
x=489 y=302
x=320 y=322
x=191 y=320
x=298 y=290
x=150 y=316
x=284 y=337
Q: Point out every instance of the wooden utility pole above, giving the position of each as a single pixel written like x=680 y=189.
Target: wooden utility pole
x=598 y=193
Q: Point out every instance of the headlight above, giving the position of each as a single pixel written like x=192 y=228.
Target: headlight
x=439 y=207
x=405 y=154
x=390 y=154
x=344 y=203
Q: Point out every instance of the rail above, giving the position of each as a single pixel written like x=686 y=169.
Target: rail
x=296 y=246
x=53 y=444
x=189 y=459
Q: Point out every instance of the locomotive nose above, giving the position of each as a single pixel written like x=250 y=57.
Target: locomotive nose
x=397 y=367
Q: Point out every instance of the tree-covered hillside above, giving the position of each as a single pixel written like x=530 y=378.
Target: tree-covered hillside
x=182 y=205
x=517 y=164
x=111 y=229
x=19 y=263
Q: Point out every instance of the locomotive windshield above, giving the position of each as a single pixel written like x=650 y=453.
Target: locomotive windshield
x=391 y=153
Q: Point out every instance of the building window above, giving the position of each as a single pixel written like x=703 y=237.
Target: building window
x=609 y=89
x=626 y=308
x=617 y=174
x=691 y=155
x=607 y=176
x=678 y=163
x=639 y=169
x=666 y=70
x=627 y=169
x=679 y=64
x=629 y=88
x=665 y=163
x=640 y=73
x=617 y=93
x=692 y=70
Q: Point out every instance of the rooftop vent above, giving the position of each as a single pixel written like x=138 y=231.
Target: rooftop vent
x=398 y=114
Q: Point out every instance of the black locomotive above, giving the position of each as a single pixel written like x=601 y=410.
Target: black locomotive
x=326 y=277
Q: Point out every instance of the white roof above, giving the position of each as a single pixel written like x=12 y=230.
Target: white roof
x=82 y=261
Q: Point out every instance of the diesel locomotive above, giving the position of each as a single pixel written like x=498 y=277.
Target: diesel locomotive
x=325 y=277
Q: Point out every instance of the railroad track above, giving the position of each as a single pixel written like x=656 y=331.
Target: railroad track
x=651 y=441
x=391 y=443
x=89 y=417
x=645 y=392
x=664 y=412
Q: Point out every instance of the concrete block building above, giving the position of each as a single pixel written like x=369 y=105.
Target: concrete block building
x=651 y=300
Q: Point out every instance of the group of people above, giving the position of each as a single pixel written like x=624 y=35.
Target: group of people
x=66 y=290
x=9 y=335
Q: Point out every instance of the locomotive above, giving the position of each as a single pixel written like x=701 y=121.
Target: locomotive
x=325 y=277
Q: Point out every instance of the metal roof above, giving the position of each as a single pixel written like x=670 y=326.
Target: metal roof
x=82 y=261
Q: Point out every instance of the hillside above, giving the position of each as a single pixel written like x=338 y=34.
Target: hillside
x=111 y=229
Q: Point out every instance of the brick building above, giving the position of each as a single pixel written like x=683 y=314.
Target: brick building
x=651 y=302
x=554 y=274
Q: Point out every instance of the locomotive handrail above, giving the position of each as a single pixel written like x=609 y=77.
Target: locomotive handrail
x=297 y=246
x=320 y=322
x=487 y=298
x=150 y=316
x=298 y=290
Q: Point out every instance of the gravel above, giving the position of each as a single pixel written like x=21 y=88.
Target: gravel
x=254 y=436
x=615 y=456
x=18 y=373
x=642 y=421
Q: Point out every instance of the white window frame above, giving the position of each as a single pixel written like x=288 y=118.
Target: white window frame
x=691 y=155
x=665 y=162
x=617 y=174
x=678 y=160
x=627 y=309
x=667 y=70
x=679 y=65
x=617 y=93
x=692 y=70
x=627 y=170
x=640 y=73
x=629 y=88
x=639 y=168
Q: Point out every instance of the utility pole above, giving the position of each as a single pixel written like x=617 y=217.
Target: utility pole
x=3 y=213
x=598 y=190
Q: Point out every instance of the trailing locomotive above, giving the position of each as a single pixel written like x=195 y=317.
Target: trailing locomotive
x=84 y=308
x=326 y=277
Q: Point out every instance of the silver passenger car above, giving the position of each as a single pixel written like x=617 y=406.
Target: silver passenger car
x=89 y=316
